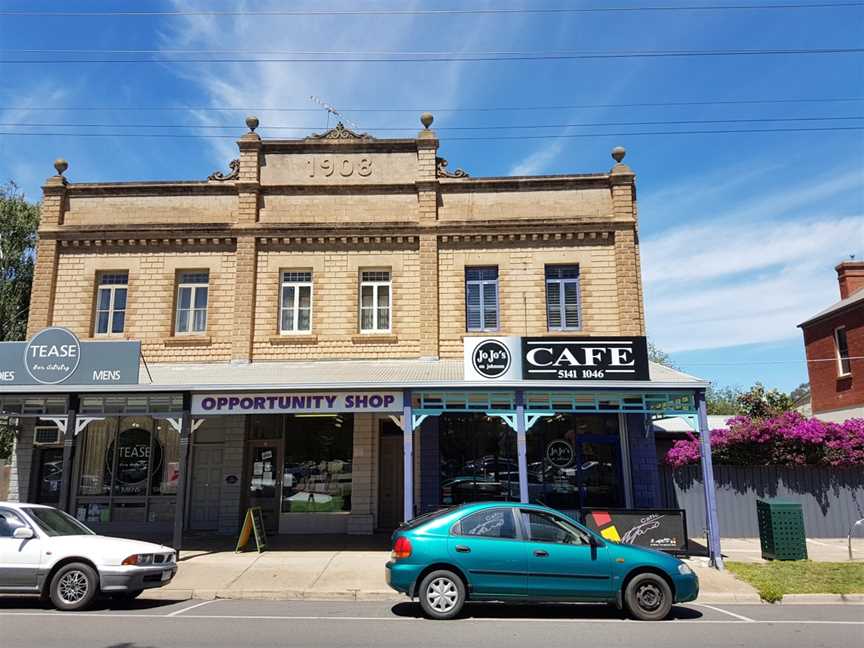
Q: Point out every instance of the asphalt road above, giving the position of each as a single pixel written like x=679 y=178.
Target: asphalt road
x=213 y=624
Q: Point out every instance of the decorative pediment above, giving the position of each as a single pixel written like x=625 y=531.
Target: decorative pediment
x=233 y=174
x=441 y=165
x=339 y=132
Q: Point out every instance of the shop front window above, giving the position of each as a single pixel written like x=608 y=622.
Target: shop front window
x=574 y=461
x=478 y=459
x=127 y=465
x=317 y=473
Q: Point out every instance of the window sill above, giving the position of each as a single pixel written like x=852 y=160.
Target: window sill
x=291 y=340
x=187 y=341
x=845 y=376
x=375 y=338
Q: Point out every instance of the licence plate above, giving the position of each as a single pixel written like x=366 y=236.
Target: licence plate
x=166 y=575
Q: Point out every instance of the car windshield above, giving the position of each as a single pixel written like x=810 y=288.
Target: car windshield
x=57 y=523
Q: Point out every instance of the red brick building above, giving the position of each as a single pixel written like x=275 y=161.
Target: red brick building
x=834 y=342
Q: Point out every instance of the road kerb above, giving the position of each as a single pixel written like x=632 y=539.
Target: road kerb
x=833 y=599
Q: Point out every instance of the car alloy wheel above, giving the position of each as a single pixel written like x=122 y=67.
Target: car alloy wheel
x=73 y=587
x=649 y=597
x=442 y=595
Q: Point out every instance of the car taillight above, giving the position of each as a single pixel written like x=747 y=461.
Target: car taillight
x=401 y=548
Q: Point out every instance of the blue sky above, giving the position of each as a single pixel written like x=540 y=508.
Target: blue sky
x=740 y=233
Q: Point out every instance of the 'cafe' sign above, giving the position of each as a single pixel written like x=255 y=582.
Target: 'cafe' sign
x=558 y=359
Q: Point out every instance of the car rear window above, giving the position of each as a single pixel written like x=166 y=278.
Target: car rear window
x=426 y=517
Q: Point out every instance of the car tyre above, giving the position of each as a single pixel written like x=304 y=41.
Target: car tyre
x=648 y=597
x=442 y=594
x=74 y=587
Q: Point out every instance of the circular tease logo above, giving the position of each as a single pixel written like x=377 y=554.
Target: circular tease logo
x=491 y=358
x=52 y=356
x=560 y=453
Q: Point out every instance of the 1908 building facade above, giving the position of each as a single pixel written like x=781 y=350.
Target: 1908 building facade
x=302 y=321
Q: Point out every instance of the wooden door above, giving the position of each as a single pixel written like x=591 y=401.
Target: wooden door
x=206 y=487
x=390 y=481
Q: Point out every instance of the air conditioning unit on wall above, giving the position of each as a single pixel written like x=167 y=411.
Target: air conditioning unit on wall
x=46 y=435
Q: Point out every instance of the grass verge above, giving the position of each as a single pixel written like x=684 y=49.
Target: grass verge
x=774 y=579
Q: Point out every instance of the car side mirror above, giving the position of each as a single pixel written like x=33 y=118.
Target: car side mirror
x=23 y=533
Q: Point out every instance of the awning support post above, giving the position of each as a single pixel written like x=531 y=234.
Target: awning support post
x=715 y=556
x=66 y=474
x=521 y=446
x=407 y=456
x=182 y=469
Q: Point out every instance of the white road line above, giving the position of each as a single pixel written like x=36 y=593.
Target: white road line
x=186 y=609
x=732 y=614
x=236 y=617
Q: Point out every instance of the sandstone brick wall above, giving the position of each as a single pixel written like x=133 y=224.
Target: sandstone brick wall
x=151 y=295
x=522 y=285
x=335 y=302
x=403 y=215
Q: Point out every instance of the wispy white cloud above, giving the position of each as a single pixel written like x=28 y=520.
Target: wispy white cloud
x=539 y=160
x=737 y=279
x=270 y=84
x=28 y=172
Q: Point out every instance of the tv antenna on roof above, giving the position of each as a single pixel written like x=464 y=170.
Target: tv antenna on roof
x=331 y=110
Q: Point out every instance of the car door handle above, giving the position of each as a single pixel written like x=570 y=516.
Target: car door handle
x=541 y=554
x=463 y=549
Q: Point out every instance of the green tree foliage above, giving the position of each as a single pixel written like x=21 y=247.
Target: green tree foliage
x=723 y=400
x=801 y=392
x=761 y=403
x=18 y=222
x=658 y=355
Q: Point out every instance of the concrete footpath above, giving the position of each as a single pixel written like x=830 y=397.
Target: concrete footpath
x=354 y=574
x=327 y=568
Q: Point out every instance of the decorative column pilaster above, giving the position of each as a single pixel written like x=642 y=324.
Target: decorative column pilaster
x=627 y=262
x=427 y=210
x=45 y=273
x=248 y=186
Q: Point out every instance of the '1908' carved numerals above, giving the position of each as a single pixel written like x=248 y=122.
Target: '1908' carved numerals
x=345 y=167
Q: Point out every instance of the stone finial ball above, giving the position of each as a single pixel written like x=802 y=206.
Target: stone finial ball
x=426 y=119
x=61 y=165
x=618 y=153
x=252 y=123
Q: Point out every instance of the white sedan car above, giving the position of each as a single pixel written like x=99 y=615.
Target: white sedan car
x=48 y=552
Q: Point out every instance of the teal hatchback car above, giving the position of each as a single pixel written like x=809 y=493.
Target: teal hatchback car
x=502 y=551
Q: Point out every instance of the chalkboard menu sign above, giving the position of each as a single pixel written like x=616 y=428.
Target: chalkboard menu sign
x=253 y=523
x=662 y=529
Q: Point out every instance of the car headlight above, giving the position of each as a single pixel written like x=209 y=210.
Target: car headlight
x=684 y=569
x=139 y=560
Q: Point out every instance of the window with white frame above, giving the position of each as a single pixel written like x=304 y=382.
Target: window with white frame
x=295 y=312
x=562 y=297
x=192 y=293
x=481 y=298
x=375 y=299
x=841 y=346
x=111 y=303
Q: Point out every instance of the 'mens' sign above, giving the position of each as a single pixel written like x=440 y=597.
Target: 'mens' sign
x=585 y=358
